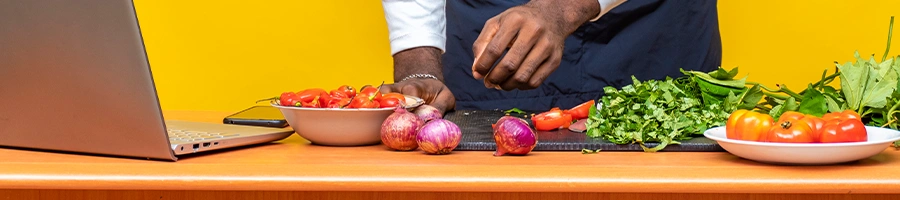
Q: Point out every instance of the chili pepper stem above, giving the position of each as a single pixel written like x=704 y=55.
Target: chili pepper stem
x=379 y=89
x=269 y=99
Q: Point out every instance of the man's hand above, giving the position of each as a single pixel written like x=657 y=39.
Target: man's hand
x=421 y=60
x=534 y=34
x=434 y=92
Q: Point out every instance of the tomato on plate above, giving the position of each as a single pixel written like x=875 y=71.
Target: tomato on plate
x=580 y=111
x=843 y=126
x=552 y=119
x=790 y=131
x=748 y=125
x=815 y=123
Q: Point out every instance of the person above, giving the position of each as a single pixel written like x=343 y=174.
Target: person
x=539 y=54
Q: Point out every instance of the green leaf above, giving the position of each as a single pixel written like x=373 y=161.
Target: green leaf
x=731 y=101
x=884 y=67
x=776 y=111
x=876 y=96
x=732 y=73
x=723 y=74
x=740 y=83
x=833 y=106
x=751 y=97
x=853 y=83
x=813 y=102
x=789 y=105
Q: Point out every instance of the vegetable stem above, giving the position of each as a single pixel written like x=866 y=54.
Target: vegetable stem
x=789 y=92
x=762 y=107
x=762 y=86
x=777 y=96
x=825 y=80
x=890 y=32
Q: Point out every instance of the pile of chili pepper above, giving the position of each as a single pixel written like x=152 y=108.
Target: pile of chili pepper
x=344 y=96
x=796 y=127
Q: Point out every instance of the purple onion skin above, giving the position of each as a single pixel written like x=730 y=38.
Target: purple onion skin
x=398 y=131
x=428 y=113
x=513 y=136
x=439 y=136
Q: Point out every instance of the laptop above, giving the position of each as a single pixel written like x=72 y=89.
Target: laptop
x=75 y=78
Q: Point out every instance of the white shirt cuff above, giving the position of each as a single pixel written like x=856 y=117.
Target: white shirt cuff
x=606 y=5
x=416 y=23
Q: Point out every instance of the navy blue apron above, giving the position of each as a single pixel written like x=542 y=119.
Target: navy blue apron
x=650 y=39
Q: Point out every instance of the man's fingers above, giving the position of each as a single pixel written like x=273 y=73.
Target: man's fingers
x=487 y=34
x=444 y=100
x=514 y=69
x=507 y=30
x=547 y=67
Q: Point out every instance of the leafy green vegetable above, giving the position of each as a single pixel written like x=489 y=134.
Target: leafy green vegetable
x=789 y=105
x=663 y=111
x=722 y=74
x=864 y=87
x=813 y=102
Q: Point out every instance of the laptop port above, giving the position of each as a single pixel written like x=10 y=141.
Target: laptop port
x=196 y=147
x=206 y=144
x=215 y=143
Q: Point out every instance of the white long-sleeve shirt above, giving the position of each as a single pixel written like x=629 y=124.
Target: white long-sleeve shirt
x=419 y=23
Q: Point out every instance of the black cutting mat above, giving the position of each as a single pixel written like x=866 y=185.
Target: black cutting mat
x=477 y=135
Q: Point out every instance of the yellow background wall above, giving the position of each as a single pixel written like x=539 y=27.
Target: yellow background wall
x=223 y=55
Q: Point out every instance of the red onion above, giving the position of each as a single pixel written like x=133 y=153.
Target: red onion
x=398 y=131
x=439 y=136
x=513 y=136
x=428 y=113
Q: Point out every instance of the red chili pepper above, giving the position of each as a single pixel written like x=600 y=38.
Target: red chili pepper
x=289 y=99
x=348 y=91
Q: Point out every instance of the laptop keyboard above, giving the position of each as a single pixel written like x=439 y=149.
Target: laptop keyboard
x=176 y=135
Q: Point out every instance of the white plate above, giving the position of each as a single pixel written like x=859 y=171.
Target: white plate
x=807 y=153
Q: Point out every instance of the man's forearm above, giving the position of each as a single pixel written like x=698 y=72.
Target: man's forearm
x=573 y=13
x=418 y=60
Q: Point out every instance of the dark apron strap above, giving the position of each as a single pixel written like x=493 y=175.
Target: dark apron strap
x=650 y=39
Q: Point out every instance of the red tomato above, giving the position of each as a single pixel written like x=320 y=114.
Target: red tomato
x=580 y=111
x=791 y=131
x=816 y=124
x=843 y=127
x=552 y=119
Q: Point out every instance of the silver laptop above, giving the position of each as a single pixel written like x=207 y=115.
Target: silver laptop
x=74 y=77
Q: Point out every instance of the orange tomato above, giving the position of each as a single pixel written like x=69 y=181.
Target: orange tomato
x=748 y=125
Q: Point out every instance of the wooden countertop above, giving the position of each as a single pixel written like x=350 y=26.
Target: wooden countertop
x=294 y=165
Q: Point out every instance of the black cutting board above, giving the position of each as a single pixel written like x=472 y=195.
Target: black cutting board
x=477 y=135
